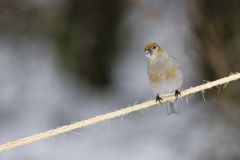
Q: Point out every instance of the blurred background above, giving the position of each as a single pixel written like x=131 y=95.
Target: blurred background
x=65 y=61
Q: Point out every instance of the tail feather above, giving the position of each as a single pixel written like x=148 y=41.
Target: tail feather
x=172 y=107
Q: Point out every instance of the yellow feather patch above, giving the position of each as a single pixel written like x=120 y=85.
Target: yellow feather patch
x=170 y=74
x=154 y=77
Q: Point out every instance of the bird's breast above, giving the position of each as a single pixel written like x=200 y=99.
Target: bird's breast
x=154 y=77
x=161 y=72
x=170 y=73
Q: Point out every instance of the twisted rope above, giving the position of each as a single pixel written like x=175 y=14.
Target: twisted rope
x=111 y=115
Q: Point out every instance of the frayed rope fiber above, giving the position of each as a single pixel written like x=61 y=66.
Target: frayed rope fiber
x=111 y=115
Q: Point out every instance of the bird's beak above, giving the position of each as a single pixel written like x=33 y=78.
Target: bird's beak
x=148 y=53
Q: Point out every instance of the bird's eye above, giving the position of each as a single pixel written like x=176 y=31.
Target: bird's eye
x=154 y=47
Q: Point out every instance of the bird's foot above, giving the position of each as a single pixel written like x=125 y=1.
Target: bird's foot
x=159 y=99
x=177 y=93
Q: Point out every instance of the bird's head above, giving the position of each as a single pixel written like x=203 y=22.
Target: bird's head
x=153 y=50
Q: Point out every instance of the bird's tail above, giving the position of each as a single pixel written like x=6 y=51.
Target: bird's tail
x=172 y=107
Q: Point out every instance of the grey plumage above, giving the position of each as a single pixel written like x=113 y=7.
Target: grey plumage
x=164 y=73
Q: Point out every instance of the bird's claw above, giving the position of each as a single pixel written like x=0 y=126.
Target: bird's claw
x=177 y=93
x=159 y=99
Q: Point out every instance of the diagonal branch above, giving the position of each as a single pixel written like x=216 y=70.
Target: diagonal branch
x=111 y=115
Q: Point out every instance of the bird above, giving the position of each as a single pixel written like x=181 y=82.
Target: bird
x=164 y=74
